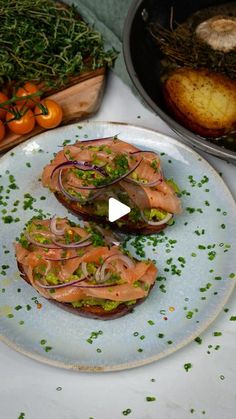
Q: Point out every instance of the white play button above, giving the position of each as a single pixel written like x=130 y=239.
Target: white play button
x=116 y=209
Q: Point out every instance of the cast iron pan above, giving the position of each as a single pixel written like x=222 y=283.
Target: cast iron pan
x=143 y=57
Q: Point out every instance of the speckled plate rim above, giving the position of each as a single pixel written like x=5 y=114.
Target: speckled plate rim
x=166 y=352
x=120 y=367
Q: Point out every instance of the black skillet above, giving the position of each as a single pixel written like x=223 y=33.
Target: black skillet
x=143 y=57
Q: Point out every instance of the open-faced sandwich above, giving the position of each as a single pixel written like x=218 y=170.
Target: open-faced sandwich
x=82 y=269
x=83 y=176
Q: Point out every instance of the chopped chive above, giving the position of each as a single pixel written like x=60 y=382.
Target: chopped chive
x=187 y=366
x=150 y=399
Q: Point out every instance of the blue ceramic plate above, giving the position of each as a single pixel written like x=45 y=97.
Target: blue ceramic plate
x=195 y=257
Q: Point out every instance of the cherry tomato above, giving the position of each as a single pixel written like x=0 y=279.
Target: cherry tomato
x=3 y=98
x=48 y=114
x=24 y=121
x=28 y=89
x=2 y=131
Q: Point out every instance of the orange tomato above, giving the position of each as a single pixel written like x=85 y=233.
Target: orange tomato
x=48 y=114
x=28 y=89
x=2 y=131
x=3 y=98
x=20 y=120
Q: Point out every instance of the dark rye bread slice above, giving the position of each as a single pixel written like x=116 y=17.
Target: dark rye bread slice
x=139 y=227
x=92 y=312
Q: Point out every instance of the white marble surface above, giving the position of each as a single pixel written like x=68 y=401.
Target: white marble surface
x=207 y=390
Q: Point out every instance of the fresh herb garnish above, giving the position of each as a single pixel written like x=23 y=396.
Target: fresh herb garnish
x=50 y=43
x=187 y=366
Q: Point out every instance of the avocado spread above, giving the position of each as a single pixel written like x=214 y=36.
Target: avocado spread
x=107 y=305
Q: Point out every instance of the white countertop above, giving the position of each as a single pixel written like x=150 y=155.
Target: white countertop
x=207 y=391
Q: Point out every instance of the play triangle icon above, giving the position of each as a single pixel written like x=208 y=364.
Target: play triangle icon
x=116 y=209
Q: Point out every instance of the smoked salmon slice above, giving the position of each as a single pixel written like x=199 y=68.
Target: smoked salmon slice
x=71 y=264
x=84 y=175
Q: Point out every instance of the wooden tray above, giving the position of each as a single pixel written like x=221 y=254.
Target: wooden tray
x=80 y=99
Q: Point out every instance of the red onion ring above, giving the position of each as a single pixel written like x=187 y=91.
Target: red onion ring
x=45 y=245
x=72 y=197
x=95 y=286
x=100 y=274
x=111 y=238
x=82 y=165
x=73 y=284
x=64 y=165
x=104 y=278
x=85 y=200
x=157 y=223
x=95 y=140
x=54 y=229
x=101 y=186
x=49 y=265
x=145 y=151
x=148 y=184
x=84 y=269
x=45 y=234
x=81 y=142
x=64 y=191
x=129 y=263
x=65 y=284
x=61 y=259
x=82 y=243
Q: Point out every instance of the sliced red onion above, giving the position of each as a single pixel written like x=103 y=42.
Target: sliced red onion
x=129 y=263
x=82 y=243
x=100 y=276
x=147 y=151
x=72 y=197
x=157 y=223
x=109 y=238
x=45 y=245
x=94 y=196
x=95 y=286
x=49 y=266
x=87 y=198
x=100 y=230
x=64 y=285
x=82 y=165
x=73 y=284
x=66 y=156
x=84 y=269
x=64 y=191
x=54 y=229
x=144 y=151
x=98 y=187
x=147 y=184
x=95 y=140
x=62 y=259
x=64 y=165
x=155 y=182
x=90 y=166
x=45 y=234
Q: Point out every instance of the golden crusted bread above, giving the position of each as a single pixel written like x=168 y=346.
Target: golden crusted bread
x=202 y=101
